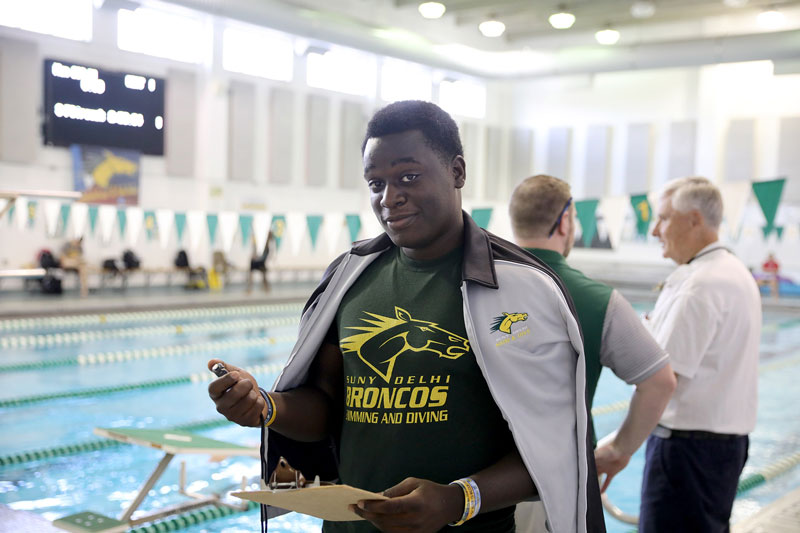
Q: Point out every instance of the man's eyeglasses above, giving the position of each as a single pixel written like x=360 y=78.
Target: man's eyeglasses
x=558 y=220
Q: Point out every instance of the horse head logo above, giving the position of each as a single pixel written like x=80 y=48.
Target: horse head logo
x=386 y=338
x=504 y=321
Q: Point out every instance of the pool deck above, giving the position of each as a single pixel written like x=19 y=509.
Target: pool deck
x=781 y=516
x=12 y=521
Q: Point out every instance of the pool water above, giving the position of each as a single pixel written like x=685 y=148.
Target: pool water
x=106 y=480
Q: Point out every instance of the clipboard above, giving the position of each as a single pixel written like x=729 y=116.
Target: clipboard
x=328 y=502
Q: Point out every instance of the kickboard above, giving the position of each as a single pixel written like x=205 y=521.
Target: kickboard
x=175 y=441
x=328 y=502
x=89 y=522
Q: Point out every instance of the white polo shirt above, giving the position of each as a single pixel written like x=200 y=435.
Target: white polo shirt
x=708 y=318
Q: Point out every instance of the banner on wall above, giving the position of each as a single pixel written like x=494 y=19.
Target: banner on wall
x=106 y=175
x=150 y=225
x=31 y=213
x=644 y=213
x=93 y=210
x=314 y=222
x=245 y=228
x=278 y=229
x=769 y=194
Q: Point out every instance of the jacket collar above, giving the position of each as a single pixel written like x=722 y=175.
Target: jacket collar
x=478 y=265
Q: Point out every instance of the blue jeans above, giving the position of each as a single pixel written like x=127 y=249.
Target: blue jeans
x=689 y=484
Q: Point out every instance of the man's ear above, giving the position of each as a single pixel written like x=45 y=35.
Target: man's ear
x=696 y=218
x=565 y=224
x=459 y=170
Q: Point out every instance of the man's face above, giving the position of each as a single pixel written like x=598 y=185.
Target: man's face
x=415 y=194
x=673 y=231
x=570 y=231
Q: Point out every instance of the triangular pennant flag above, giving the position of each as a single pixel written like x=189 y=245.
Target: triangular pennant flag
x=586 y=216
x=245 y=228
x=122 y=219
x=79 y=213
x=261 y=229
x=197 y=223
x=278 y=229
x=164 y=220
x=501 y=226
x=21 y=213
x=212 y=220
x=31 y=210
x=150 y=225
x=107 y=217
x=734 y=201
x=353 y=226
x=370 y=225
x=294 y=231
x=93 y=210
x=180 y=225
x=643 y=211
x=227 y=229
x=51 y=211
x=64 y=218
x=613 y=209
x=313 y=222
x=135 y=224
x=332 y=228
x=779 y=230
x=11 y=211
x=482 y=216
x=769 y=194
x=3 y=204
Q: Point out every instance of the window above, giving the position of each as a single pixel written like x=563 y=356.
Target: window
x=164 y=34
x=257 y=52
x=401 y=80
x=342 y=69
x=70 y=19
x=462 y=97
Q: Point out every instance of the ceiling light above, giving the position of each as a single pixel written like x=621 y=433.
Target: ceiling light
x=735 y=3
x=643 y=10
x=431 y=10
x=607 y=36
x=771 y=19
x=492 y=28
x=561 y=20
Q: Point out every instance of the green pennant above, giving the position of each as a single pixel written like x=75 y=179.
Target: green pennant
x=122 y=217
x=212 y=219
x=766 y=230
x=779 y=231
x=314 y=222
x=644 y=213
x=180 y=225
x=353 y=226
x=482 y=216
x=245 y=228
x=93 y=210
x=768 y=194
x=11 y=213
x=32 y=205
x=64 y=217
x=278 y=229
x=150 y=225
x=586 y=215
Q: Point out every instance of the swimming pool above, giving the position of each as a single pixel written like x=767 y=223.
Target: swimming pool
x=147 y=370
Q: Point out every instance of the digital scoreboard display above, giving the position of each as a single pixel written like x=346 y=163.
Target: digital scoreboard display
x=88 y=105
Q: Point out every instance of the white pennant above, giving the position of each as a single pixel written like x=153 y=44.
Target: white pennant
x=135 y=216
x=80 y=216
x=297 y=228
x=165 y=219
x=791 y=233
x=198 y=226
x=106 y=218
x=614 y=210
x=370 y=227
x=500 y=224
x=51 y=210
x=332 y=228
x=734 y=199
x=261 y=222
x=228 y=222
x=21 y=213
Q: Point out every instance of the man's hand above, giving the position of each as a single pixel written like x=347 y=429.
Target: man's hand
x=415 y=505
x=610 y=461
x=236 y=395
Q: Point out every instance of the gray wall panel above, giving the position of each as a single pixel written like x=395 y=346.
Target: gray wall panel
x=471 y=145
x=496 y=182
x=789 y=157
x=682 y=149
x=241 y=131
x=521 y=155
x=559 y=145
x=20 y=97
x=739 y=150
x=281 y=135
x=318 y=117
x=180 y=123
x=354 y=125
x=638 y=157
x=598 y=150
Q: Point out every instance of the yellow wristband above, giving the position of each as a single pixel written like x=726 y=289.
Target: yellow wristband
x=272 y=411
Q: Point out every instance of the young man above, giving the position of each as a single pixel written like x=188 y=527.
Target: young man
x=436 y=363
x=543 y=221
x=708 y=317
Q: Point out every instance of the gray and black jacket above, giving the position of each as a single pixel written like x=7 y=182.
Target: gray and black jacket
x=537 y=378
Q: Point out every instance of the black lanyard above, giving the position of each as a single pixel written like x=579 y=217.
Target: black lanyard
x=701 y=254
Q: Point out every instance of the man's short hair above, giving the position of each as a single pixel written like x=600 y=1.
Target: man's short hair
x=696 y=193
x=438 y=128
x=535 y=205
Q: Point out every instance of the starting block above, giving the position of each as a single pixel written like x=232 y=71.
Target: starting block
x=171 y=442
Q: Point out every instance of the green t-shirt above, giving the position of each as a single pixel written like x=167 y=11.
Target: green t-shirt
x=416 y=403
